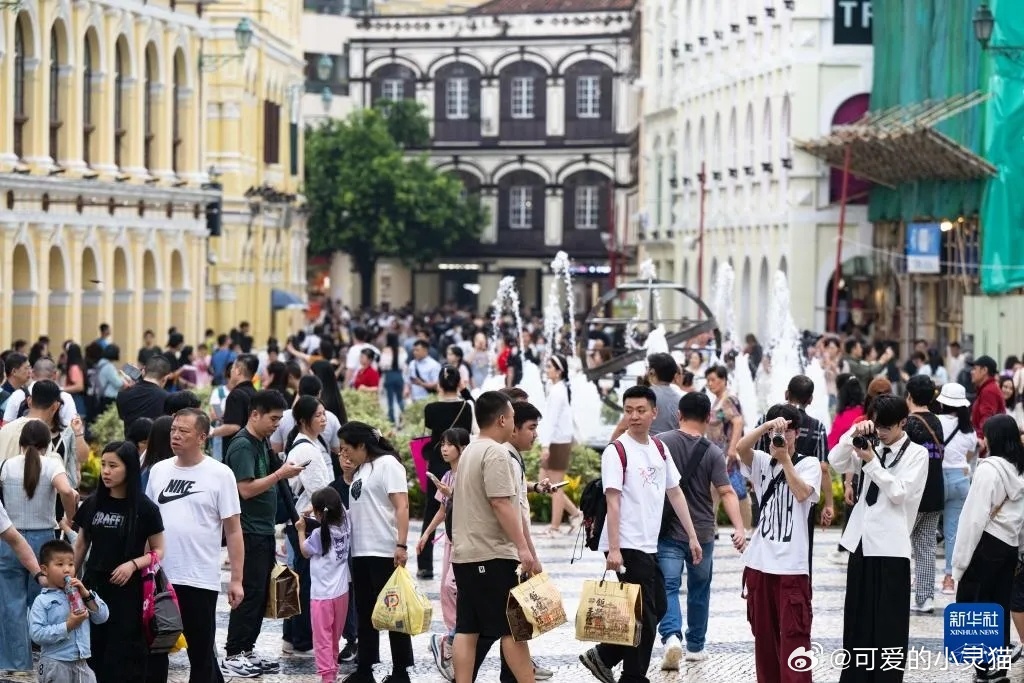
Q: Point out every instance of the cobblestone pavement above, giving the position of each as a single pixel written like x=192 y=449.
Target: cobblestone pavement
x=730 y=644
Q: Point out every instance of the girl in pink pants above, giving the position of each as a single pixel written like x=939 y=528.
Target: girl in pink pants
x=328 y=553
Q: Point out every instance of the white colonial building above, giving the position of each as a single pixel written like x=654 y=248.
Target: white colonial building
x=727 y=88
x=532 y=107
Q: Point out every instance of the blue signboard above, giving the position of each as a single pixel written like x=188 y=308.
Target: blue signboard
x=973 y=632
x=924 y=248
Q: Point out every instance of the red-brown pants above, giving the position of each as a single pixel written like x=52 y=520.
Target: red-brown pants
x=779 y=612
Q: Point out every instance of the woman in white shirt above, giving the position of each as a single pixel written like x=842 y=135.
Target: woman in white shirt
x=556 y=433
x=960 y=446
x=990 y=527
x=379 y=504
x=306 y=448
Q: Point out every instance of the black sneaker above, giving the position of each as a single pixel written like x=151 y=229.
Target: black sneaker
x=396 y=678
x=348 y=653
x=425 y=574
x=592 y=661
x=359 y=677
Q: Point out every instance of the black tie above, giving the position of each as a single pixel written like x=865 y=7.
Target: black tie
x=872 y=494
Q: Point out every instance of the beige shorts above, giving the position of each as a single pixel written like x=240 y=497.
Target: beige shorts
x=558 y=457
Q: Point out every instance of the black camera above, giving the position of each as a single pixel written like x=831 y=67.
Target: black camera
x=863 y=442
x=778 y=441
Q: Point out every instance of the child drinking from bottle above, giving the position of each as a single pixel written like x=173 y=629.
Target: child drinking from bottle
x=452 y=443
x=328 y=552
x=60 y=616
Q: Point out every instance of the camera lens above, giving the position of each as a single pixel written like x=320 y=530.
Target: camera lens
x=778 y=441
x=860 y=442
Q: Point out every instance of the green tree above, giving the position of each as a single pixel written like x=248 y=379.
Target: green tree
x=372 y=201
x=407 y=123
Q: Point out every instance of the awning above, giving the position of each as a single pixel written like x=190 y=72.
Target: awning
x=282 y=300
x=900 y=145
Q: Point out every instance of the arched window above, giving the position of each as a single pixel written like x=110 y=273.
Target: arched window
x=766 y=135
x=784 y=144
x=87 y=122
x=730 y=149
x=54 y=98
x=176 y=131
x=748 y=141
x=120 y=129
x=20 y=110
x=716 y=144
x=687 y=151
x=148 y=126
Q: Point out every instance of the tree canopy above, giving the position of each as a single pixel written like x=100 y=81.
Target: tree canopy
x=369 y=198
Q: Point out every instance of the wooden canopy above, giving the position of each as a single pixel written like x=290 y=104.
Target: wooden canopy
x=900 y=145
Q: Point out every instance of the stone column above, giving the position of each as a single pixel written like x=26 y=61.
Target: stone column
x=488 y=288
x=556 y=107
x=553 y=217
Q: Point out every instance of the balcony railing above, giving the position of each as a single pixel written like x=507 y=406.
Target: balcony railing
x=340 y=7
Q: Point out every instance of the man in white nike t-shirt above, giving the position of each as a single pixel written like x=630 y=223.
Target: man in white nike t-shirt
x=199 y=503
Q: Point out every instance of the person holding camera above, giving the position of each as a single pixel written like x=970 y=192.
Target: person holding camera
x=893 y=471
x=776 y=576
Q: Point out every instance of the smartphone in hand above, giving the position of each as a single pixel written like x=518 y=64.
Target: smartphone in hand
x=131 y=372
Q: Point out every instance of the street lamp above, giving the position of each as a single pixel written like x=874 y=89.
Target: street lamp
x=243 y=39
x=326 y=97
x=324 y=67
x=984 y=24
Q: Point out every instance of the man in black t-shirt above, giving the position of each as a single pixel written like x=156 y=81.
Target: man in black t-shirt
x=146 y=398
x=924 y=428
x=236 y=405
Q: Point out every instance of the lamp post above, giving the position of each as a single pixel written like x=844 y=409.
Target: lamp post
x=324 y=67
x=984 y=24
x=243 y=38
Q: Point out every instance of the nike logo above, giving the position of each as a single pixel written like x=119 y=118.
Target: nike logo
x=176 y=489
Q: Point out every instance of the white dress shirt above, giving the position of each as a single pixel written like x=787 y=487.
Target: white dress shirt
x=883 y=528
x=557 y=425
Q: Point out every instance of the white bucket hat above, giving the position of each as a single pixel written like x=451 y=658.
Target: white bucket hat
x=953 y=395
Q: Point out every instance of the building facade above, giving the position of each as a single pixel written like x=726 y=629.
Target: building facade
x=110 y=129
x=727 y=87
x=531 y=108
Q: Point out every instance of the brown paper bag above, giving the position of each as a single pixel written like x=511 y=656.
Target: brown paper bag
x=609 y=612
x=283 y=594
x=534 y=607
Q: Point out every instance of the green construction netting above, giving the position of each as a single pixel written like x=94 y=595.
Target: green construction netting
x=1002 y=215
x=925 y=50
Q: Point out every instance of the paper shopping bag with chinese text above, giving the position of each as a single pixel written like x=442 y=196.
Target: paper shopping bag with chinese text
x=534 y=607
x=609 y=612
x=401 y=607
x=283 y=594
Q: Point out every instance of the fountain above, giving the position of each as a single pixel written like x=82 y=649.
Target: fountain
x=743 y=381
x=554 y=319
x=508 y=298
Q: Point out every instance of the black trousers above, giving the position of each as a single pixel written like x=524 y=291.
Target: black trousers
x=425 y=559
x=246 y=620
x=876 y=614
x=643 y=569
x=369 y=575
x=989 y=578
x=199 y=623
x=298 y=630
x=119 y=650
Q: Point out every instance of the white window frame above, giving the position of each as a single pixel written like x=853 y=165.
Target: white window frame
x=522 y=103
x=456 y=99
x=587 y=207
x=588 y=97
x=392 y=89
x=520 y=207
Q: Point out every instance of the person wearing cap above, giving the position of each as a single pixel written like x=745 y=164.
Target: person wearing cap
x=989 y=401
x=959 y=447
x=893 y=472
x=924 y=428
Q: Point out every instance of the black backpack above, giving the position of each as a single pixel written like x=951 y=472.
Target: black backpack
x=593 y=504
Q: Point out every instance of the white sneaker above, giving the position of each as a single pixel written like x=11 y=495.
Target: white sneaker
x=673 y=653
x=698 y=656
x=927 y=607
x=238 y=666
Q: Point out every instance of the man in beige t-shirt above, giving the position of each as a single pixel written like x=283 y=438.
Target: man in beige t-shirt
x=489 y=541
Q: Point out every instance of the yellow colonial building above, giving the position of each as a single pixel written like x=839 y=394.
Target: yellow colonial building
x=110 y=123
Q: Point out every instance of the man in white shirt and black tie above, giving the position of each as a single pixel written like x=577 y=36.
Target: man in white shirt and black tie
x=894 y=471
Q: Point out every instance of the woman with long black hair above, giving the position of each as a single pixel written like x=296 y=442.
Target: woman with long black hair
x=331 y=394
x=393 y=359
x=988 y=537
x=556 y=436
x=158 y=447
x=74 y=376
x=117 y=523
x=380 y=536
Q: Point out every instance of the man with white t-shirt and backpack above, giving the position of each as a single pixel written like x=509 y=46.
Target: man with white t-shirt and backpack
x=637 y=477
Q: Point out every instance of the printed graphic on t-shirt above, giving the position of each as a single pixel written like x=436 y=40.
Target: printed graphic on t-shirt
x=650 y=476
x=777 y=518
x=107 y=520
x=356 y=488
x=177 y=489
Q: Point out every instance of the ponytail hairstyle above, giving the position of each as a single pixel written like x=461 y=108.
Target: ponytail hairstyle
x=560 y=364
x=327 y=502
x=449 y=378
x=303 y=411
x=35 y=440
x=357 y=434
